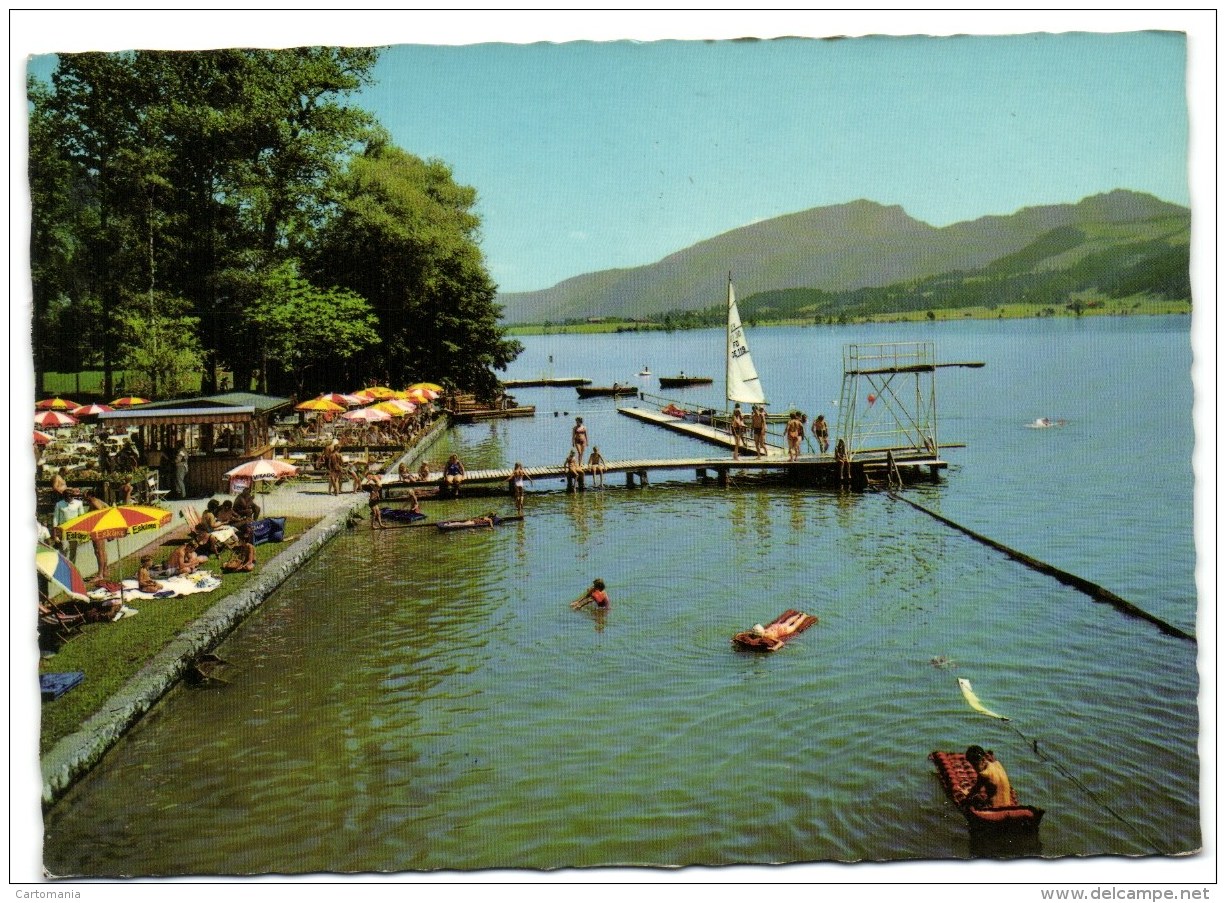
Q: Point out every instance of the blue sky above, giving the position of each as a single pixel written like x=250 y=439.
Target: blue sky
x=595 y=155
x=591 y=154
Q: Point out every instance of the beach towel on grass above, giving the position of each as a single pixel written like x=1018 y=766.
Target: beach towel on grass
x=55 y=685
x=185 y=585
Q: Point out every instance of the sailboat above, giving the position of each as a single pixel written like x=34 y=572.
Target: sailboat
x=741 y=380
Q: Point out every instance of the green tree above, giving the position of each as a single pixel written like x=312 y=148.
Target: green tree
x=307 y=337
x=404 y=237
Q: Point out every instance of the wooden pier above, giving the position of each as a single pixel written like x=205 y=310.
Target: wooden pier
x=808 y=469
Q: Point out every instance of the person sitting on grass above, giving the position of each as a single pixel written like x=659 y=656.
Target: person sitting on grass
x=144 y=577
x=245 y=507
x=184 y=560
x=243 y=558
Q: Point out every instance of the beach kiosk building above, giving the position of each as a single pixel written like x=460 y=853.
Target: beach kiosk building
x=219 y=433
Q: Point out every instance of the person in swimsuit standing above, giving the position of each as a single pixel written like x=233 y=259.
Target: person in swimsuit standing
x=578 y=438
x=516 y=479
x=757 y=423
x=738 y=431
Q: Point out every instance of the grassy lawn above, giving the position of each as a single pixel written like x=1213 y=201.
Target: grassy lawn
x=111 y=653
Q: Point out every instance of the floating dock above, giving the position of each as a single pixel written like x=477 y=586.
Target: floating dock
x=563 y=382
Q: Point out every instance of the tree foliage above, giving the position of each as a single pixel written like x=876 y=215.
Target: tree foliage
x=199 y=183
x=404 y=236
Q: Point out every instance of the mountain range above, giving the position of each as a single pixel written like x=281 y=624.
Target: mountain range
x=838 y=251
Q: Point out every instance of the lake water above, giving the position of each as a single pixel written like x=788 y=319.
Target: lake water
x=414 y=700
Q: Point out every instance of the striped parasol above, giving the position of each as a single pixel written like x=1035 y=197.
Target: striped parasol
x=115 y=522
x=320 y=404
x=433 y=387
x=421 y=395
x=377 y=392
x=51 y=419
x=41 y=438
x=397 y=407
x=56 y=404
x=342 y=399
x=128 y=401
x=59 y=570
x=263 y=469
x=366 y=415
x=90 y=410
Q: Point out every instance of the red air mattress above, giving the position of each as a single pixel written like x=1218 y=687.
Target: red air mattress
x=958 y=776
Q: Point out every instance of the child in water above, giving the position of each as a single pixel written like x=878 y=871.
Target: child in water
x=596 y=593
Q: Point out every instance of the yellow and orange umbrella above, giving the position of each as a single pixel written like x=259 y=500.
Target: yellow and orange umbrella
x=320 y=404
x=115 y=522
x=56 y=404
x=128 y=401
x=397 y=407
x=377 y=392
x=433 y=387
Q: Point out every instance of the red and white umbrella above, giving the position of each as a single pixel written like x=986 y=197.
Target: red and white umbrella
x=51 y=419
x=41 y=438
x=347 y=401
x=366 y=415
x=420 y=395
x=56 y=404
x=91 y=410
x=263 y=469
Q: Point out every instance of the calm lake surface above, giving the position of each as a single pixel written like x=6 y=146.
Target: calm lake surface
x=415 y=700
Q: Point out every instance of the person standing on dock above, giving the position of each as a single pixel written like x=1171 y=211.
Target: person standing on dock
x=578 y=438
x=516 y=479
x=738 y=431
x=794 y=432
x=757 y=422
x=821 y=432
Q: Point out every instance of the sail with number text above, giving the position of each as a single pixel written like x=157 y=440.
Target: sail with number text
x=743 y=383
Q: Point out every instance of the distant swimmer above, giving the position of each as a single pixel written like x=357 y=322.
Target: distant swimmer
x=596 y=593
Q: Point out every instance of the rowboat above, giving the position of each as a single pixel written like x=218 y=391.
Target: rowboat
x=958 y=776
x=613 y=390
x=776 y=633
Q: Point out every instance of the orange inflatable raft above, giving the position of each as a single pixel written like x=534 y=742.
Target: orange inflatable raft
x=776 y=633
x=958 y=776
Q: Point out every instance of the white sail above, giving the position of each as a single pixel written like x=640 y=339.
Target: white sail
x=743 y=384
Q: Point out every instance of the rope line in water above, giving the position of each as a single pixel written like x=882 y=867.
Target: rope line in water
x=1093 y=590
x=1033 y=743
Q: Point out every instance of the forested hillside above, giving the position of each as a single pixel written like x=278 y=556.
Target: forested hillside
x=863 y=259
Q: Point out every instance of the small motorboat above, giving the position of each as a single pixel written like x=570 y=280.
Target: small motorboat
x=958 y=776
x=646 y=371
x=1045 y=423
x=776 y=633
x=682 y=381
